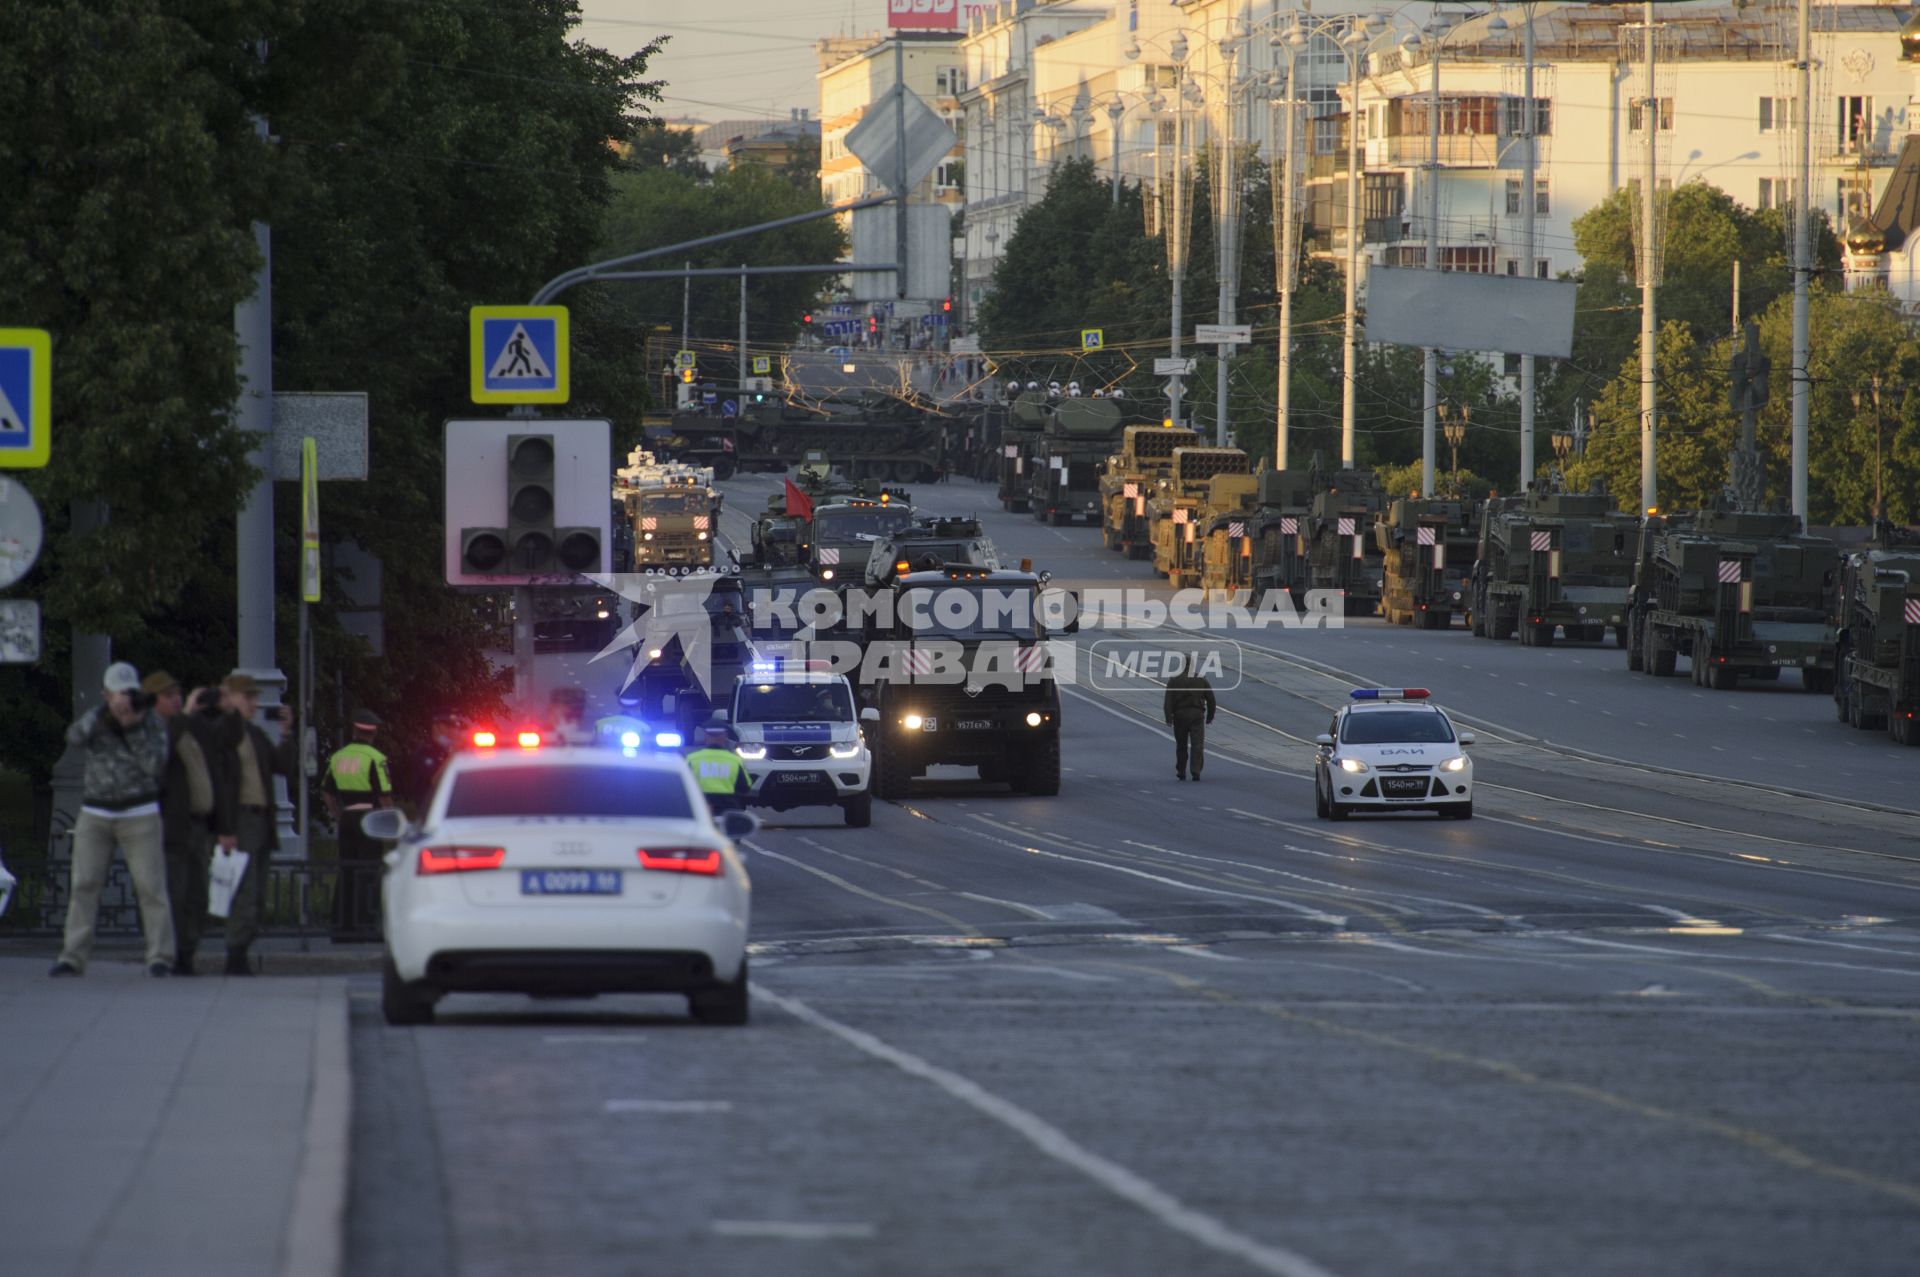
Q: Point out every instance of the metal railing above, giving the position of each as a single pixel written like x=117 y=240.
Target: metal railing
x=300 y=900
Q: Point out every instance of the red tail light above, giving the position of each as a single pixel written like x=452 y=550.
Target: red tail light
x=684 y=860
x=443 y=860
x=529 y=740
x=484 y=740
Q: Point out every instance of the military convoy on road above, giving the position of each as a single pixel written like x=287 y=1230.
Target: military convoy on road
x=1427 y=549
x=1131 y=476
x=1184 y=498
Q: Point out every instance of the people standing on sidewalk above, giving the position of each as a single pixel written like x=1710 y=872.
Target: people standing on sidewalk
x=245 y=819
x=357 y=781
x=186 y=810
x=125 y=744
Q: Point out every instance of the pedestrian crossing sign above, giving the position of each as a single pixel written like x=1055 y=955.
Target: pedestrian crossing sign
x=519 y=354
x=1092 y=338
x=762 y=365
x=26 y=398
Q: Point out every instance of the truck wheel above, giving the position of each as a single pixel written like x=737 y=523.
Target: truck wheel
x=1661 y=656
x=1816 y=680
x=890 y=774
x=1043 y=768
x=1620 y=639
x=859 y=809
x=1722 y=678
x=1636 y=656
x=1476 y=623
x=723 y=469
x=1440 y=620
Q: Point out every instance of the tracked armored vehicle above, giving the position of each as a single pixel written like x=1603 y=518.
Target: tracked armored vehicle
x=1426 y=549
x=1173 y=509
x=1341 y=552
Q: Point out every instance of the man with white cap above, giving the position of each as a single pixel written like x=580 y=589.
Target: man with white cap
x=126 y=761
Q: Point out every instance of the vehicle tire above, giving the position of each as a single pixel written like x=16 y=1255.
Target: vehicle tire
x=1636 y=656
x=723 y=469
x=402 y=1003
x=1619 y=637
x=1042 y=777
x=859 y=809
x=891 y=775
x=1336 y=810
x=1475 y=624
x=1661 y=658
x=1458 y=811
x=1722 y=679
x=1440 y=620
x=1319 y=800
x=723 y=1003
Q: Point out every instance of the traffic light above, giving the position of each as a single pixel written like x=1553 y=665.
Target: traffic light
x=807 y=318
x=686 y=375
x=530 y=502
x=946 y=306
x=873 y=325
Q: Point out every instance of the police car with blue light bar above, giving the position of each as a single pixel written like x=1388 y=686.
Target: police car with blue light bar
x=1388 y=749
x=797 y=729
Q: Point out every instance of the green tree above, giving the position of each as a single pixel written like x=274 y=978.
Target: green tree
x=1694 y=430
x=655 y=144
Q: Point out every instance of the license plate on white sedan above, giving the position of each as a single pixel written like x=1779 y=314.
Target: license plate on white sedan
x=570 y=882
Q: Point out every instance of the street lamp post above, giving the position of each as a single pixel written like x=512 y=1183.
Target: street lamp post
x=1174 y=230
x=1455 y=419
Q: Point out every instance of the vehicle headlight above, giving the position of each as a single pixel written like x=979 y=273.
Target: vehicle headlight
x=912 y=722
x=646 y=536
x=1455 y=764
x=1352 y=765
x=826 y=574
x=752 y=753
x=1033 y=718
x=603 y=614
x=847 y=749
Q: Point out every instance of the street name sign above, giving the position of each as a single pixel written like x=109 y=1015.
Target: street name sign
x=26 y=398
x=1223 y=334
x=1177 y=367
x=519 y=354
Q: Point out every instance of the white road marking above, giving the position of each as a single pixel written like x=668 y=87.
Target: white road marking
x=792 y=1230
x=581 y=1039
x=1015 y=905
x=669 y=1106
x=1198 y=951
x=1057 y=1144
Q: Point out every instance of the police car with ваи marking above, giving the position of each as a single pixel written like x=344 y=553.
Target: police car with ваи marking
x=798 y=732
x=1388 y=749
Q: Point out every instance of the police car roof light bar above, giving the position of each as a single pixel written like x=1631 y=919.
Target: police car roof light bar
x=1389 y=693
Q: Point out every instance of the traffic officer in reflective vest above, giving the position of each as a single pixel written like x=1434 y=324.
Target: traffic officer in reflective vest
x=719 y=772
x=357 y=782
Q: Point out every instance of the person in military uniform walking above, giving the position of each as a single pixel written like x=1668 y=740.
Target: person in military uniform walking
x=1188 y=708
x=719 y=772
x=357 y=781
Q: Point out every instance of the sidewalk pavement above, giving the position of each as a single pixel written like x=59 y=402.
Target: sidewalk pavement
x=180 y=1126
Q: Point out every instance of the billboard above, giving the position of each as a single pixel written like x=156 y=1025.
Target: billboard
x=1458 y=310
x=923 y=15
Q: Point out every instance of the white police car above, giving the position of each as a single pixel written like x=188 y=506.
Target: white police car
x=564 y=872
x=798 y=732
x=1386 y=751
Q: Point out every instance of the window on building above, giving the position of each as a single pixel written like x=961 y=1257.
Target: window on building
x=1323 y=101
x=1516 y=116
x=1512 y=265
x=1777 y=114
x=1775 y=192
x=1540 y=202
x=1160 y=77
x=1853 y=198
x=1474 y=258
x=949 y=173
x=1165 y=132
x=950 y=81
x=1636 y=114
x=1856 y=122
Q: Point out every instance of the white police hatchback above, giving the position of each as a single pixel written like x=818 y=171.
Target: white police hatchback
x=1388 y=750
x=564 y=872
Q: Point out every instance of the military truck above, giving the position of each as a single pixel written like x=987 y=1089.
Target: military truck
x=972 y=686
x=1068 y=459
x=1225 y=520
x=1282 y=502
x=1341 y=552
x=1740 y=593
x=1145 y=457
x=1877 y=644
x=841 y=535
x=1427 y=549
x=1172 y=523
x=930 y=544
x=868 y=435
x=1552 y=562
x=670 y=509
x=1020 y=437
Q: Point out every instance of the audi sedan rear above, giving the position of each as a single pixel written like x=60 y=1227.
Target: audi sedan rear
x=565 y=872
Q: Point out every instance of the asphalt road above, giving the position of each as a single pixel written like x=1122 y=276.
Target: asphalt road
x=1655 y=1015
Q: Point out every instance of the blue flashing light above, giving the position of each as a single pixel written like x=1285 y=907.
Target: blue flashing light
x=630 y=740
x=763 y=669
x=667 y=740
x=1389 y=693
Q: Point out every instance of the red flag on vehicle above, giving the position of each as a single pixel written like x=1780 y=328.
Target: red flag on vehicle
x=798 y=502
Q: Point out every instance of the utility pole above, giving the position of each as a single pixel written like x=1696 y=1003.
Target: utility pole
x=686 y=308
x=1649 y=276
x=1802 y=260
x=1430 y=357
x=1287 y=252
x=1226 y=247
x=900 y=162
x=745 y=366
x=1176 y=242
x=1350 y=360
x=1529 y=153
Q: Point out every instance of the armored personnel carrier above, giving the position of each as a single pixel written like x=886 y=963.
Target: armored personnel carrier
x=1427 y=549
x=1552 y=562
x=1341 y=552
x=1740 y=593
x=930 y=544
x=1877 y=654
x=1172 y=511
x=1069 y=455
x=1132 y=474
x=1020 y=437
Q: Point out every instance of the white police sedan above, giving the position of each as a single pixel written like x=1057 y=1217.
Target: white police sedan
x=1388 y=750
x=564 y=871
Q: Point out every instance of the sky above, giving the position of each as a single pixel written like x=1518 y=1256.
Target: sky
x=729 y=59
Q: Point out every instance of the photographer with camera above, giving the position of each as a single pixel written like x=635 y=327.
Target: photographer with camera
x=126 y=759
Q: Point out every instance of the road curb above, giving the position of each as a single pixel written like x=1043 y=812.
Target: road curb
x=316 y=1223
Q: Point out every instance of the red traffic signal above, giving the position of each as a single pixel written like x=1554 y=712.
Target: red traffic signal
x=807 y=318
x=946 y=305
x=873 y=323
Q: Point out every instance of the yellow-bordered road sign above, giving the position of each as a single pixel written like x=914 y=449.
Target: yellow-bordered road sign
x=26 y=398
x=1092 y=338
x=519 y=354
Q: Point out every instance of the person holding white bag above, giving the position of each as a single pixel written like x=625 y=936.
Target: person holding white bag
x=244 y=818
